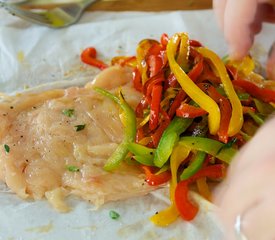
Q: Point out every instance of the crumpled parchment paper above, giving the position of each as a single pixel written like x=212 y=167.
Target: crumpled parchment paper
x=31 y=55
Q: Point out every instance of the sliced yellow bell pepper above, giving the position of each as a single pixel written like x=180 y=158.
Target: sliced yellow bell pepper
x=236 y=120
x=182 y=58
x=169 y=215
x=203 y=188
x=193 y=91
x=142 y=50
x=245 y=66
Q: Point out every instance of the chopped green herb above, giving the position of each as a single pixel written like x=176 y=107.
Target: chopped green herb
x=79 y=127
x=7 y=148
x=68 y=112
x=73 y=168
x=113 y=214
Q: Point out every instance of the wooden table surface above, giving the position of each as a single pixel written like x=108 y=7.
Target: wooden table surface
x=149 y=5
x=132 y=5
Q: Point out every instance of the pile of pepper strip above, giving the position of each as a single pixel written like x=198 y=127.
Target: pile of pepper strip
x=196 y=112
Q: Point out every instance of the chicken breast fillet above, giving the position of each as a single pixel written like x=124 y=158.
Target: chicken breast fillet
x=57 y=142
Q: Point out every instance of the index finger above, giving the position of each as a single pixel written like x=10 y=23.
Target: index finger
x=237 y=19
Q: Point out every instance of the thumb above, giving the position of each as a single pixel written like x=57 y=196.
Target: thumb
x=270 y=65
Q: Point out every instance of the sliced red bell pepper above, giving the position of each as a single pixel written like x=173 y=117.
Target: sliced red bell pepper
x=142 y=105
x=156 y=179
x=196 y=71
x=194 y=43
x=188 y=111
x=171 y=81
x=148 y=86
x=186 y=208
x=176 y=103
x=155 y=58
x=155 y=64
x=208 y=74
x=264 y=94
x=137 y=80
x=88 y=56
x=164 y=39
x=233 y=73
x=225 y=109
x=161 y=128
x=155 y=107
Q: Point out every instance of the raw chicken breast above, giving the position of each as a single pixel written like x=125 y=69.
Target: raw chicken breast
x=39 y=143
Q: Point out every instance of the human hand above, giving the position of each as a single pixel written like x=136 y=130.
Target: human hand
x=248 y=193
x=241 y=21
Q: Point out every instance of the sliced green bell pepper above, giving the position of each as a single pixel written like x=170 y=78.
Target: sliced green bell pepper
x=194 y=166
x=169 y=138
x=209 y=146
x=128 y=119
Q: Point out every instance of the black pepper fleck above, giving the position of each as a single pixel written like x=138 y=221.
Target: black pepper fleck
x=11 y=107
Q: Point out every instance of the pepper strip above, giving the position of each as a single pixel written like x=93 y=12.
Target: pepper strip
x=225 y=108
x=128 y=119
x=155 y=106
x=154 y=179
x=197 y=69
x=186 y=208
x=169 y=138
x=203 y=188
x=236 y=120
x=88 y=56
x=192 y=90
x=142 y=50
x=188 y=111
x=194 y=167
x=169 y=215
x=176 y=103
x=209 y=146
x=266 y=95
x=183 y=53
x=143 y=155
x=160 y=130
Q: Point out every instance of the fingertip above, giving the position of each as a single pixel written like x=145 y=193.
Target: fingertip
x=239 y=16
x=238 y=52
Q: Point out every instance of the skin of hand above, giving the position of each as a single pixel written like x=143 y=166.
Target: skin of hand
x=240 y=21
x=248 y=191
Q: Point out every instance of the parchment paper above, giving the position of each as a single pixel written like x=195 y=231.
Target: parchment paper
x=31 y=55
